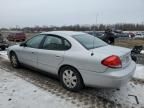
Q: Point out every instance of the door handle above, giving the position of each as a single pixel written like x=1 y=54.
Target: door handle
x=58 y=56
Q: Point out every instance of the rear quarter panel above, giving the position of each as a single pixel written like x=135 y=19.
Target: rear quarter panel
x=83 y=61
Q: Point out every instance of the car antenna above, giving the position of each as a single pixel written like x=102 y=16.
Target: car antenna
x=94 y=32
x=93 y=43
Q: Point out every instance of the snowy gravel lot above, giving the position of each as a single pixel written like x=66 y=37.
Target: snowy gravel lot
x=25 y=88
x=18 y=93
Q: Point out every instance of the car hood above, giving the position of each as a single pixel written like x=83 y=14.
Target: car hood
x=13 y=47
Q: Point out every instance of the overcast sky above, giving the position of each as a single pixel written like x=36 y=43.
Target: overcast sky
x=67 y=12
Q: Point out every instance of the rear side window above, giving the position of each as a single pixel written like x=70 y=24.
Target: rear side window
x=56 y=43
x=89 y=41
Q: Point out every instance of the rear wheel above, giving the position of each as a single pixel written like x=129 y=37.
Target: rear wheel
x=71 y=79
x=14 y=60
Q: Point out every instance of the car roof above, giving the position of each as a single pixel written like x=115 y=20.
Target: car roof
x=68 y=33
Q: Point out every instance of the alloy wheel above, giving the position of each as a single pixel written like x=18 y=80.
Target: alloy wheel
x=14 y=60
x=69 y=78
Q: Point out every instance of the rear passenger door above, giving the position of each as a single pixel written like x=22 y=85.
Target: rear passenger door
x=51 y=53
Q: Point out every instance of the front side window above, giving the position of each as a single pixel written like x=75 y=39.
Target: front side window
x=35 y=41
x=55 y=43
x=89 y=41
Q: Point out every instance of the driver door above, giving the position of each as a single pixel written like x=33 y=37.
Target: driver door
x=28 y=53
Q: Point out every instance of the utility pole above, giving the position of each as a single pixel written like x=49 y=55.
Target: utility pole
x=96 y=21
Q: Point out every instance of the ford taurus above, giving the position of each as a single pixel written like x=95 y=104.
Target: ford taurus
x=77 y=58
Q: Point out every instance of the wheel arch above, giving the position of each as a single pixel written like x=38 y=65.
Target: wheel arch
x=66 y=65
x=11 y=52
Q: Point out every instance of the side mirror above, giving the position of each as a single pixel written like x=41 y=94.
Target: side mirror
x=23 y=44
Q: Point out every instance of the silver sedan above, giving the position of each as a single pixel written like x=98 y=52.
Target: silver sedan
x=77 y=58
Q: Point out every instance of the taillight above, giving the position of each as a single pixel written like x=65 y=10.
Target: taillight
x=112 y=62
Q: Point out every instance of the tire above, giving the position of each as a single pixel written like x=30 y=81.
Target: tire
x=3 y=48
x=71 y=79
x=108 y=41
x=14 y=60
x=23 y=40
x=134 y=58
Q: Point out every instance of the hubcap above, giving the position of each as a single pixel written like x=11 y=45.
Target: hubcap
x=14 y=61
x=69 y=78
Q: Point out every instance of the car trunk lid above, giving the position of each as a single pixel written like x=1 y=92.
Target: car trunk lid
x=106 y=51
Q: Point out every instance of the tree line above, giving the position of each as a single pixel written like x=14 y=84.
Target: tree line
x=99 y=27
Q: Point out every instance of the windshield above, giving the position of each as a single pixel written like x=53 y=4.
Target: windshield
x=89 y=41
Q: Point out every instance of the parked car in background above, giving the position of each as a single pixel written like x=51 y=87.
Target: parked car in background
x=131 y=35
x=124 y=35
x=77 y=59
x=139 y=35
x=142 y=33
x=96 y=33
x=3 y=43
x=107 y=37
x=16 y=36
x=100 y=35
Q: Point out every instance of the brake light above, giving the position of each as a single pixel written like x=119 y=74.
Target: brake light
x=112 y=62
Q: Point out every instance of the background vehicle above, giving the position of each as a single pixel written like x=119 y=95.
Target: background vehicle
x=77 y=58
x=103 y=36
x=16 y=36
x=97 y=34
x=139 y=35
x=100 y=35
x=3 y=43
x=124 y=35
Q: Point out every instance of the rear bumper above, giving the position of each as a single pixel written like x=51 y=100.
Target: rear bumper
x=113 y=79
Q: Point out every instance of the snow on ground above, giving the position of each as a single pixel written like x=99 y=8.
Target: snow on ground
x=139 y=73
x=142 y=52
x=3 y=54
x=126 y=96
x=17 y=93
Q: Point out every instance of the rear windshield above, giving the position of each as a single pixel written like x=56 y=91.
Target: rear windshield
x=89 y=41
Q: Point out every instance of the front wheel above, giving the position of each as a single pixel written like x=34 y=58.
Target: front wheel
x=3 y=48
x=14 y=60
x=71 y=79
